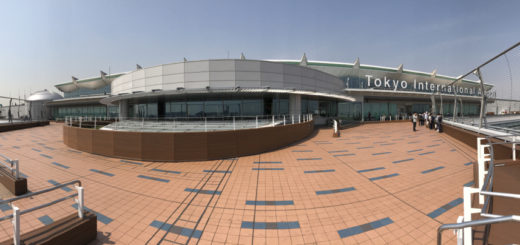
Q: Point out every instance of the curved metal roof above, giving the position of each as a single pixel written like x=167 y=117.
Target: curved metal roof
x=88 y=83
x=44 y=95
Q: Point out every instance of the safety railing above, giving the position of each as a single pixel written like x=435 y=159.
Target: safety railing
x=200 y=124
x=469 y=224
x=484 y=190
x=12 y=165
x=17 y=212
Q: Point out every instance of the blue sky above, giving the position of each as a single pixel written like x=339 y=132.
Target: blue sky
x=44 y=43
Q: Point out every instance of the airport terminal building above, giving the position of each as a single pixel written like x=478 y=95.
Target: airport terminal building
x=242 y=87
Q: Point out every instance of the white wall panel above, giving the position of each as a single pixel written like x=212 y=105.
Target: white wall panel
x=176 y=68
x=292 y=79
x=222 y=84
x=138 y=85
x=272 y=84
x=271 y=67
x=247 y=65
x=226 y=74
x=222 y=76
x=248 y=84
x=172 y=86
x=308 y=82
x=251 y=76
x=273 y=77
x=153 y=81
x=196 y=66
x=153 y=71
x=150 y=88
x=196 y=77
x=222 y=65
x=196 y=85
x=139 y=74
x=292 y=69
x=176 y=78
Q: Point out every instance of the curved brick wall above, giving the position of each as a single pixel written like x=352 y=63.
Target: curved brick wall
x=190 y=146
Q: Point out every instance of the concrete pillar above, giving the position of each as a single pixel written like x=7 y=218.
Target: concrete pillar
x=295 y=104
x=123 y=109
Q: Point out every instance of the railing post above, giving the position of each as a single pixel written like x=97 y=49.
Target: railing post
x=459 y=233
x=16 y=225
x=80 y=201
x=283 y=120
x=292 y=119
x=467 y=214
x=80 y=119
x=17 y=173
x=256 y=121
x=205 y=124
x=273 y=120
x=299 y=118
x=95 y=122
x=234 y=127
x=514 y=151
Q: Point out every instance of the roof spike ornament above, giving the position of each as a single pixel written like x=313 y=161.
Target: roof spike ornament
x=104 y=77
x=138 y=67
x=185 y=60
x=400 y=68
x=303 y=61
x=434 y=73
x=242 y=57
x=356 y=63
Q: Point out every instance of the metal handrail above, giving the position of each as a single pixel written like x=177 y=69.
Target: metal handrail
x=17 y=213
x=14 y=171
x=40 y=192
x=40 y=206
x=467 y=224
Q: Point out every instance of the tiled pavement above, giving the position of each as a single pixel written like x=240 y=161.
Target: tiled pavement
x=376 y=184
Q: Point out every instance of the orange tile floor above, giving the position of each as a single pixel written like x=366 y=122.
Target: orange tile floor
x=376 y=184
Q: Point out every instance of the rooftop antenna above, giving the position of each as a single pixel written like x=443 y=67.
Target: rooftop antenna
x=242 y=57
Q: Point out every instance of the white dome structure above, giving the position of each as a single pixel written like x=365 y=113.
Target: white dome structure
x=44 y=95
x=37 y=100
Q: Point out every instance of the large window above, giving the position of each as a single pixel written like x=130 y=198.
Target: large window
x=251 y=107
x=213 y=108
x=80 y=111
x=195 y=108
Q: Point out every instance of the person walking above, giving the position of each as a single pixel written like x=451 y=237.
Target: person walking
x=414 y=121
x=439 y=123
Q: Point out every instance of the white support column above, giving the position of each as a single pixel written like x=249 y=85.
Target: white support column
x=16 y=225
x=273 y=120
x=292 y=119
x=283 y=120
x=234 y=127
x=80 y=201
x=295 y=103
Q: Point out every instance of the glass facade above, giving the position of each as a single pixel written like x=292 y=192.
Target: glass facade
x=247 y=105
x=85 y=91
x=86 y=111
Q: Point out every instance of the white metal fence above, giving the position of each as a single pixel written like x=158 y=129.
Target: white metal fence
x=187 y=124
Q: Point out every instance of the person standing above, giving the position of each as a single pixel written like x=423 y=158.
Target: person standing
x=414 y=121
x=439 y=123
